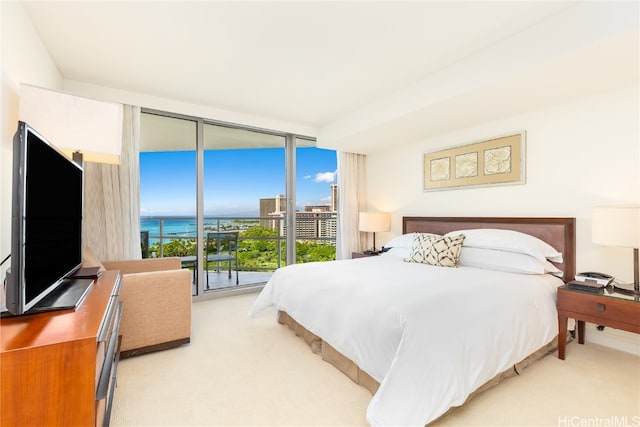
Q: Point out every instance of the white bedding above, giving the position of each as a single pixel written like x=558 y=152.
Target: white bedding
x=429 y=335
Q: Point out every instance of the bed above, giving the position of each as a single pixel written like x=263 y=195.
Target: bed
x=425 y=338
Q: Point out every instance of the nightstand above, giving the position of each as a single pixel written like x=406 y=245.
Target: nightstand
x=355 y=255
x=608 y=309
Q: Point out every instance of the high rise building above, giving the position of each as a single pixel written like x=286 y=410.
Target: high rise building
x=317 y=208
x=274 y=206
x=315 y=221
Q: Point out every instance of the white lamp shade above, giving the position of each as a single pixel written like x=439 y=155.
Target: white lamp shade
x=374 y=221
x=72 y=123
x=616 y=226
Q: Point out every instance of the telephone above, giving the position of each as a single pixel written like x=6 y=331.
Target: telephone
x=594 y=277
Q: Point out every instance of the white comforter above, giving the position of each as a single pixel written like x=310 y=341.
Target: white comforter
x=429 y=335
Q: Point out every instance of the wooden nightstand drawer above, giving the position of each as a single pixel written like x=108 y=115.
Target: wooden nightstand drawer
x=599 y=307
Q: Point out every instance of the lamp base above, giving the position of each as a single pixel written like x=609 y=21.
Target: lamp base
x=636 y=278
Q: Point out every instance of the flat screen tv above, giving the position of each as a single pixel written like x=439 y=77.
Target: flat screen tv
x=46 y=223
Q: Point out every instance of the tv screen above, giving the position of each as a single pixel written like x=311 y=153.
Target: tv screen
x=46 y=233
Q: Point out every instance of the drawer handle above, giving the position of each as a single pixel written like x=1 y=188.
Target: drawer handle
x=600 y=307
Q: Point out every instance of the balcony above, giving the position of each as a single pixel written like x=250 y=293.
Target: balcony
x=261 y=245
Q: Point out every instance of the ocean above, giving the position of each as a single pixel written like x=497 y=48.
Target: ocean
x=182 y=228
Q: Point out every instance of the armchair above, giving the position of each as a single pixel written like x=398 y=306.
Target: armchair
x=156 y=313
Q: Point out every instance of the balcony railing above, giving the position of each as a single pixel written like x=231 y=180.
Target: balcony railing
x=261 y=241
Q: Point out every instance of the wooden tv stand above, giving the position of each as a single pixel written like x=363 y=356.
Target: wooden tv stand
x=58 y=368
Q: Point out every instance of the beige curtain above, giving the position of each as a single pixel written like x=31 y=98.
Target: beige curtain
x=352 y=198
x=111 y=225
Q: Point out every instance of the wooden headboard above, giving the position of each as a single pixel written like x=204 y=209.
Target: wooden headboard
x=558 y=232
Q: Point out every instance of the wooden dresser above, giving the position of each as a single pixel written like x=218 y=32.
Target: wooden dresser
x=58 y=368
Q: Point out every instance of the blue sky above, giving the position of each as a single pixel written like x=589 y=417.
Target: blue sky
x=235 y=180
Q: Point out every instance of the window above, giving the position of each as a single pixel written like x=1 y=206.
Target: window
x=200 y=177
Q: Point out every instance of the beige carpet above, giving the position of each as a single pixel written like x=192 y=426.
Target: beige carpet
x=246 y=371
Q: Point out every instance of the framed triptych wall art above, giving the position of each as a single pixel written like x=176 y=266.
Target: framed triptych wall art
x=495 y=161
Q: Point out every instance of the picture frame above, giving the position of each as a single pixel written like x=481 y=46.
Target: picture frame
x=495 y=161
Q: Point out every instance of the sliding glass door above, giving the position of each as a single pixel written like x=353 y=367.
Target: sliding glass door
x=222 y=197
x=168 y=204
x=243 y=170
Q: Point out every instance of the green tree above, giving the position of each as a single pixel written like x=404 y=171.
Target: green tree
x=175 y=247
x=257 y=249
x=310 y=251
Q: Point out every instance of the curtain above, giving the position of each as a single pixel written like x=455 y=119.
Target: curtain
x=111 y=225
x=352 y=198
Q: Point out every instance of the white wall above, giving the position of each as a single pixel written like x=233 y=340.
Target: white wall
x=180 y=107
x=579 y=154
x=24 y=60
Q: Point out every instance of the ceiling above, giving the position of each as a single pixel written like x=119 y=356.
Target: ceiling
x=318 y=64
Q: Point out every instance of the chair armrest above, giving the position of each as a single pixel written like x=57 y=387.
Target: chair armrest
x=144 y=265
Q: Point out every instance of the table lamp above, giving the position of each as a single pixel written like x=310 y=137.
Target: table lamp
x=619 y=226
x=372 y=222
x=82 y=128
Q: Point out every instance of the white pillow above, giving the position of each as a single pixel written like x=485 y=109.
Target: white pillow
x=508 y=240
x=513 y=262
x=404 y=241
x=399 y=246
x=398 y=251
x=553 y=270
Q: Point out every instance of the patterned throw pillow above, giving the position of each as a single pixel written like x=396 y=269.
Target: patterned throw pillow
x=436 y=250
